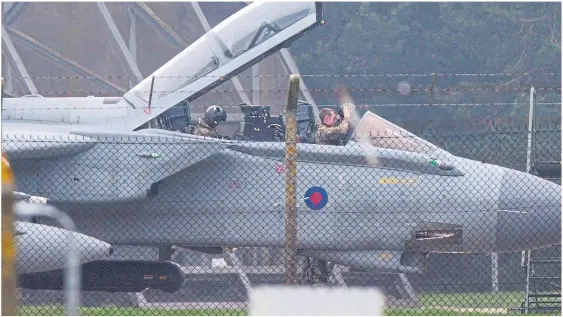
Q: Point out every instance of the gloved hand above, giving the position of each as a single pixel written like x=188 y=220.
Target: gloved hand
x=347 y=110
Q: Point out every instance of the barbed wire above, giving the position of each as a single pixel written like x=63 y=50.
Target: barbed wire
x=30 y=137
x=302 y=75
x=363 y=89
x=358 y=106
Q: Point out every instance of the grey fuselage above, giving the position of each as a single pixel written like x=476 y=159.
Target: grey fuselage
x=197 y=192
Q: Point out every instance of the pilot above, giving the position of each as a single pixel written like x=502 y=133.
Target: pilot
x=332 y=129
x=206 y=126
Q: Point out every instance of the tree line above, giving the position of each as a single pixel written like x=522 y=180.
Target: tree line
x=521 y=40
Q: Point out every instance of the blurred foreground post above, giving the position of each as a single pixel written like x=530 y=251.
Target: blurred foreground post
x=315 y=301
x=290 y=181
x=9 y=292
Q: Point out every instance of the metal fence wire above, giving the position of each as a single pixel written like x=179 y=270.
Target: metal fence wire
x=173 y=224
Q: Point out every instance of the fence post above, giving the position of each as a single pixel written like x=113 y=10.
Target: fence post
x=530 y=162
x=530 y=154
x=9 y=292
x=290 y=181
x=494 y=272
x=72 y=277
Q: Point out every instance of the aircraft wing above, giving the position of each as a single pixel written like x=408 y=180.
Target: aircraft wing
x=38 y=141
x=100 y=166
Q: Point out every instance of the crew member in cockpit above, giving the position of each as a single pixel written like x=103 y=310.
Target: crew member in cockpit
x=333 y=129
x=206 y=126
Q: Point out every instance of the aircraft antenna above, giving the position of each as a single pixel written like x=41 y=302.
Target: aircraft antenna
x=150 y=100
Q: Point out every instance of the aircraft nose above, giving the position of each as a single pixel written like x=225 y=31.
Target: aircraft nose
x=529 y=214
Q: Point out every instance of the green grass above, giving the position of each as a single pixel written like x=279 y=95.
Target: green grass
x=473 y=300
x=129 y=311
x=56 y=310
x=435 y=304
x=431 y=312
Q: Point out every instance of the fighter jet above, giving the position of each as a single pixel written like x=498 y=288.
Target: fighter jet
x=379 y=203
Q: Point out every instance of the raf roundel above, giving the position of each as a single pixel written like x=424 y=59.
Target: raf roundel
x=316 y=198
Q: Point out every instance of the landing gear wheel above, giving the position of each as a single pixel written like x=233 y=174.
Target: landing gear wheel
x=317 y=271
x=165 y=252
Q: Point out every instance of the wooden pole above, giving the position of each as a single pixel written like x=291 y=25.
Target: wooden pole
x=290 y=181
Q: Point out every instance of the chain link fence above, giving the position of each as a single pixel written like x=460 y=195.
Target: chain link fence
x=194 y=224
x=179 y=225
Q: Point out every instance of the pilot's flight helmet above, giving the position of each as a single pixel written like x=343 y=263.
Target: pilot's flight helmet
x=214 y=115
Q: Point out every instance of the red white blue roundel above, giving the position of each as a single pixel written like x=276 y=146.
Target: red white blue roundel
x=316 y=198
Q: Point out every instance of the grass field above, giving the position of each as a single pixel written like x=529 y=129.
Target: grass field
x=128 y=311
x=467 y=304
x=124 y=311
x=473 y=300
